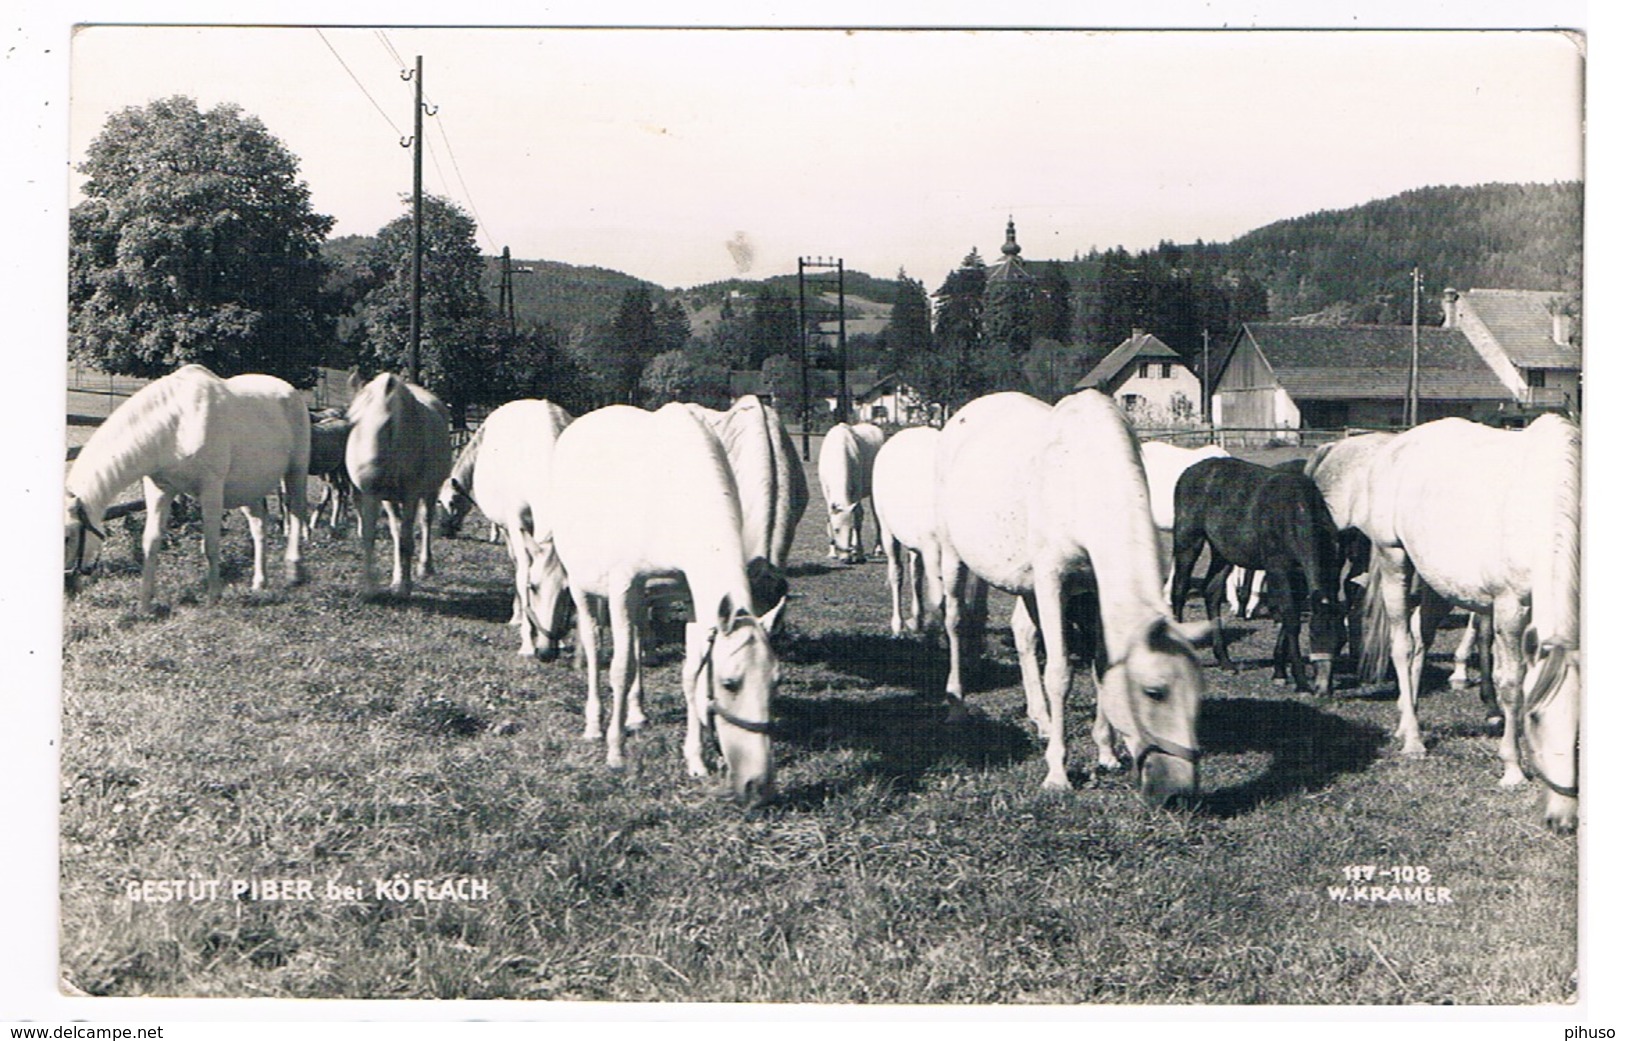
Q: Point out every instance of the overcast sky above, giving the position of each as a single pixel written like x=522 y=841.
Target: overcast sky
x=687 y=156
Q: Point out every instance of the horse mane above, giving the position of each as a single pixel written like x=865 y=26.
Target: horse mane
x=119 y=451
x=462 y=468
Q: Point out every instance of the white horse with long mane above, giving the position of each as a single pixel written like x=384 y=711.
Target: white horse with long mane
x=1032 y=499
x=509 y=475
x=1489 y=519
x=398 y=454
x=229 y=443
x=772 y=484
x=846 y=463
x=638 y=495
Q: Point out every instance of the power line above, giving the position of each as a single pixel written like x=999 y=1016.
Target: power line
x=478 y=221
x=394 y=55
x=359 y=84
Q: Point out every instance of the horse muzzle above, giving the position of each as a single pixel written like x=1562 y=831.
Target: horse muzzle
x=1167 y=772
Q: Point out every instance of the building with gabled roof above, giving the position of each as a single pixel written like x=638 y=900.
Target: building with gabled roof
x=1283 y=376
x=1149 y=381
x=1526 y=339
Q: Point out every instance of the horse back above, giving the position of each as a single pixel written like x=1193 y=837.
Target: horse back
x=400 y=440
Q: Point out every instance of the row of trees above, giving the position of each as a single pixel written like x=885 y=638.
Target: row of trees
x=197 y=242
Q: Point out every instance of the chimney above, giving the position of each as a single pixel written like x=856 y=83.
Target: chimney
x=1562 y=328
x=1137 y=333
x=1451 y=300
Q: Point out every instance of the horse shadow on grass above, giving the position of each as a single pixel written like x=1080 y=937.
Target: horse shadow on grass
x=1308 y=749
x=897 y=715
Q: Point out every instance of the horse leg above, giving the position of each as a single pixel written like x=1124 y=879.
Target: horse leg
x=522 y=611
x=1286 y=606
x=953 y=602
x=367 y=521
x=423 y=513
x=296 y=503
x=1391 y=571
x=894 y=582
x=1511 y=619
x=152 y=539
x=1188 y=541
x=256 y=515
x=1047 y=593
x=1464 y=653
x=1025 y=632
x=212 y=500
x=400 y=530
x=695 y=638
x=635 y=719
x=1212 y=596
x=1486 y=669
x=587 y=630
x=622 y=632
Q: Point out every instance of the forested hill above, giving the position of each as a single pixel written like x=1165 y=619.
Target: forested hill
x=1501 y=236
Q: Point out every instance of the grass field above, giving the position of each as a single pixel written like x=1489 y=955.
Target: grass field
x=309 y=735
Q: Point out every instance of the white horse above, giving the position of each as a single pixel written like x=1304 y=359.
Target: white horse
x=905 y=494
x=1489 y=519
x=508 y=474
x=1338 y=470
x=638 y=495
x=398 y=455
x=229 y=443
x=1030 y=497
x=846 y=462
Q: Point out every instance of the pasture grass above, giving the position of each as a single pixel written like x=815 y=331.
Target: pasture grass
x=309 y=733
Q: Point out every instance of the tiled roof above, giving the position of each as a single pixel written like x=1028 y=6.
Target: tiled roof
x=1130 y=350
x=1521 y=324
x=1373 y=361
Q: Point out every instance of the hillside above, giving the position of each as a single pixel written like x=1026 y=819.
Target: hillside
x=1359 y=260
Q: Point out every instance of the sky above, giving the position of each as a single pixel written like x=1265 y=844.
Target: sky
x=685 y=156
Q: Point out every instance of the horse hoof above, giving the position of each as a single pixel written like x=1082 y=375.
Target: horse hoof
x=957 y=713
x=635 y=724
x=1280 y=681
x=1057 y=782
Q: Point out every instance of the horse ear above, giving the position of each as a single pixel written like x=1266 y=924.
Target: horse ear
x=770 y=617
x=354 y=382
x=725 y=613
x=1165 y=631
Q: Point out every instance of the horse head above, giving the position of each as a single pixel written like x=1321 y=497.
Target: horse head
x=843 y=531
x=737 y=678
x=547 y=600
x=454 y=503
x=1548 y=722
x=1152 y=696
x=1326 y=635
x=82 y=540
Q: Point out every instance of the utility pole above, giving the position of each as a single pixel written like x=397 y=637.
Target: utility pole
x=1207 y=411
x=842 y=398
x=416 y=333
x=1413 y=389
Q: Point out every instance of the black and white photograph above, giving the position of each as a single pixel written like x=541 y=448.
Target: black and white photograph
x=1062 y=518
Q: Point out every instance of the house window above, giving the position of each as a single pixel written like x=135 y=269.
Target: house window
x=1536 y=377
x=1156 y=370
x=1131 y=402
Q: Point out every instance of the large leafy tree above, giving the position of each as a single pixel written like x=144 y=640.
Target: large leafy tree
x=458 y=338
x=196 y=242
x=773 y=326
x=908 y=334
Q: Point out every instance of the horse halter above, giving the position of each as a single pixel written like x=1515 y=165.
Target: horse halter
x=1560 y=661
x=712 y=710
x=85 y=528
x=1168 y=748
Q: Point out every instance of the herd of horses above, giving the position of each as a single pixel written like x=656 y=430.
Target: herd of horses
x=1375 y=538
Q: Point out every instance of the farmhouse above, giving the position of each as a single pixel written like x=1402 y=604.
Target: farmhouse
x=1525 y=338
x=1148 y=380
x=1283 y=376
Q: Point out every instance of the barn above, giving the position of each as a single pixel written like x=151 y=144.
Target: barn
x=1283 y=377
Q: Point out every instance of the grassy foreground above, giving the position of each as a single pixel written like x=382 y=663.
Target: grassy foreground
x=307 y=735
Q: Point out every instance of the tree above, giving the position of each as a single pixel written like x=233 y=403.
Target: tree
x=196 y=242
x=781 y=377
x=458 y=334
x=773 y=326
x=672 y=327
x=1050 y=370
x=618 y=355
x=1052 y=305
x=676 y=376
x=908 y=334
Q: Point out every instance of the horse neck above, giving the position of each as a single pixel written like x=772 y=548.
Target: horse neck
x=463 y=469
x=1555 y=579
x=130 y=445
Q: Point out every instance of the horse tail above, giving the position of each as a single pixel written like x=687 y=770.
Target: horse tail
x=1376 y=641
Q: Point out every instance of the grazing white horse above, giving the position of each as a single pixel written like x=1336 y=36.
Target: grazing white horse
x=638 y=495
x=905 y=497
x=1338 y=470
x=846 y=462
x=1489 y=519
x=398 y=454
x=229 y=443
x=509 y=476
x=1030 y=497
